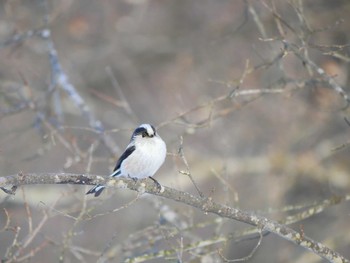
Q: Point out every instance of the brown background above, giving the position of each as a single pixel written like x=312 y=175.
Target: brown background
x=171 y=57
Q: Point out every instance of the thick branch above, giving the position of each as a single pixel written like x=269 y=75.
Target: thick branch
x=205 y=204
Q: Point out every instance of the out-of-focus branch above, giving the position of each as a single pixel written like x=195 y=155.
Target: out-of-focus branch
x=323 y=75
x=59 y=77
x=62 y=80
x=206 y=205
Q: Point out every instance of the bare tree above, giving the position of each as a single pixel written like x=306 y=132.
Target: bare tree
x=250 y=96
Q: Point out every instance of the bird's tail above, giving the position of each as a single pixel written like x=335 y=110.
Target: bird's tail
x=96 y=190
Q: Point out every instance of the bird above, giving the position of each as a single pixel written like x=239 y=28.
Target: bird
x=142 y=158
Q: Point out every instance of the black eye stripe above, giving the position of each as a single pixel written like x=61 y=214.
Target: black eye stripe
x=139 y=131
x=154 y=130
x=143 y=132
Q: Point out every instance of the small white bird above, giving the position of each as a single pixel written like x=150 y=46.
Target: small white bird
x=142 y=157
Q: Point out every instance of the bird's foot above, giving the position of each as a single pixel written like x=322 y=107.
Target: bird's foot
x=159 y=186
x=135 y=179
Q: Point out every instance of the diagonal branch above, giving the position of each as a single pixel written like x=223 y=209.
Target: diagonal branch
x=206 y=205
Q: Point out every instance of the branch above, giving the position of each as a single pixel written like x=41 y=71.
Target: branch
x=204 y=204
x=324 y=76
x=61 y=78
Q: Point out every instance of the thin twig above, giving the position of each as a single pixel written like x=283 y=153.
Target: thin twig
x=246 y=258
x=187 y=172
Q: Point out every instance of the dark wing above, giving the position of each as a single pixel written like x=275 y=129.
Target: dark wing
x=125 y=155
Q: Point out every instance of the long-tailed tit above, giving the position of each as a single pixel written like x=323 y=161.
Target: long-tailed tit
x=142 y=157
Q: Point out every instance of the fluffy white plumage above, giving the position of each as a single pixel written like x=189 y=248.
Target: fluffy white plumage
x=142 y=157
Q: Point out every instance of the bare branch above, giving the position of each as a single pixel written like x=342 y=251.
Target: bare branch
x=62 y=79
x=187 y=172
x=206 y=205
x=251 y=254
x=319 y=71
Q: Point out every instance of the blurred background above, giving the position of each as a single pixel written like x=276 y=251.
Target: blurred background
x=261 y=128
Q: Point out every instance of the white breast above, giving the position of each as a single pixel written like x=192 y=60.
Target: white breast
x=148 y=156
